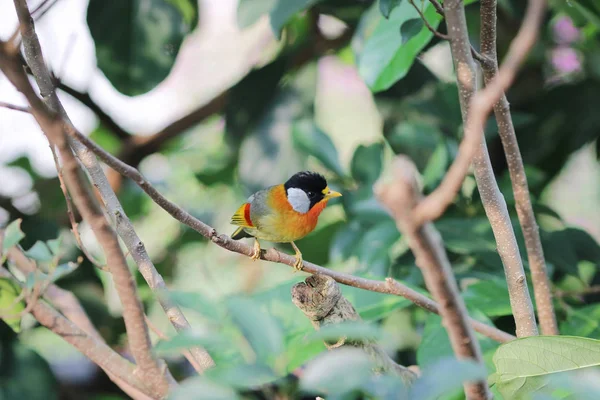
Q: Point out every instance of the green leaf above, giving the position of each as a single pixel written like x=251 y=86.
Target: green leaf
x=386 y=6
x=559 y=251
x=435 y=343
x=62 y=270
x=313 y=141
x=197 y=302
x=188 y=339
x=344 y=242
x=260 y=329
x=9 y=292
x=436 y=167
x=351 y=330
x=201 y=387
x=410 y=29
x=583 y=321
x=373 y=250
x=524 y=366
x=54 y=246
x=584 y=244
x=386 y=58
x=367 y=163
x=250 y=11
x=40 y=252
x=446 y=376
x=464 y=236
x=26 y=374
x=489 y=296
x=284 y=10
x=418 y=140
x=373 y=306
x=137 y=41
x=187 y=9
x=12 y=235
x=242 y=376
x=336 y=372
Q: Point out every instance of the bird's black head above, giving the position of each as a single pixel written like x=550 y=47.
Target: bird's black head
x=311 y=183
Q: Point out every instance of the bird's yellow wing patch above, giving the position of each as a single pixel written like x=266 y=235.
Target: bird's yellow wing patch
x=242 y=217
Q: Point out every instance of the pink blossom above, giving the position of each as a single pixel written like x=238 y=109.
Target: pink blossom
x=564 y=31
x=565 y=60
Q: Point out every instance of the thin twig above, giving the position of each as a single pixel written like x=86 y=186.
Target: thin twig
x=66 y=302
x=139 y=338
x=438 y=7
x=39 y=13
x=71 y=213
x=506 y=130
x=479 y=57
x=400 y=196
x=427 y=24
x=92 y=347
x=475 y=148
x=186 y=353
x=595 y=289
x=151 y=369
x=15 y=107
x=389 y=286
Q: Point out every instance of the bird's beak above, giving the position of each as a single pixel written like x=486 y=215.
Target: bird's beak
x=331 y=193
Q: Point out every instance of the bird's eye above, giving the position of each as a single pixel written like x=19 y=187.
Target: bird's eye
x=312 y=195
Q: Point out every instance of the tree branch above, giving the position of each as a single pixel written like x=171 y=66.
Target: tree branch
x=321 y=300
x=506 y=129
x=54 y=128
x=92 y=347
x=105 y=119
x=140 y=340
x=14 y=107
x=69 y=306
x=400 y=196
x=474 y=116
x=389 y=286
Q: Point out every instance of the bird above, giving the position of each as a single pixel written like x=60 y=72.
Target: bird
x=283 y=213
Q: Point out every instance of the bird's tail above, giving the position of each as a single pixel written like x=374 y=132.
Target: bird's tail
x=240 y=233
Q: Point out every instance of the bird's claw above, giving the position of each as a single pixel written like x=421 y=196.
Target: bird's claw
x=256 y=255
x=299 y=264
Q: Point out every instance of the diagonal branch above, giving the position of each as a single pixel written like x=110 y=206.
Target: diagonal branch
x=54 y=128
x=389 y=286
x=14 y=107
x=69 y=306
x=475 y=108
x=400 y=196
x=506 y=129
x=105 y=119
x=92 y=347
x=139 y=339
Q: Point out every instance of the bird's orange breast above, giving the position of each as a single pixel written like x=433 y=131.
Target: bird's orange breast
x=288 y=223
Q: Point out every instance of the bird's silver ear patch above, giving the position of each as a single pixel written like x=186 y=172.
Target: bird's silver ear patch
x=298 y=199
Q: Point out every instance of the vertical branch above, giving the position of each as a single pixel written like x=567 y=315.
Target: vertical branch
x=400 y=197
x=133 y=315
x=35 y=60
x=506 y=129
x=491 y=197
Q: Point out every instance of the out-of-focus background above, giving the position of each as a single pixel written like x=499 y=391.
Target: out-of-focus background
x=340 y=92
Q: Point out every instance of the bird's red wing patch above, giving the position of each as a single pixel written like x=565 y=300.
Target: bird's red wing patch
x=242 y=216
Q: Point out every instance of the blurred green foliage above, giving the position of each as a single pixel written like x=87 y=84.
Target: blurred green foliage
x=273 y=126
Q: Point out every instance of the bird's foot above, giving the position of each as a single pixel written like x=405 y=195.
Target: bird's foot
x=256 y=254
x=299 y=264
